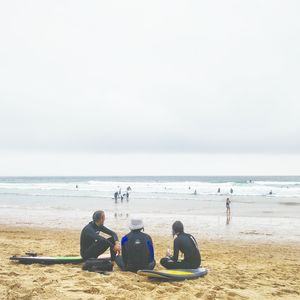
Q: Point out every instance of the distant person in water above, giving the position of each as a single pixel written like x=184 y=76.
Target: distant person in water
x=92 y=244
x=137 y=249
x=127 y=196
x=186 y=244
x=219 y=190
x=116 y=196
x=128 y=188
x=270 y=193
x=228 y=206
x=195 y=192
x=231 y=191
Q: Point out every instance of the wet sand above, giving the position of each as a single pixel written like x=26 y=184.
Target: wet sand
x=237 y=270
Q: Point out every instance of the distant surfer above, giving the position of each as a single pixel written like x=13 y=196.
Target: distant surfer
x=128 y=188
x=271 y=193
x=219 y=190
x=186 y=244
x=76 y=186
x=92 y=244
x=127 y=196
x=116 y=197
x=228 y=206
x=195 y=192
x=231 y=191
x=137 y=249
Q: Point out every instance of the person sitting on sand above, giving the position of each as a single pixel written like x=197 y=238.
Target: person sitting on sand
x=185 y=243
x=92 y=244
x=137 y=249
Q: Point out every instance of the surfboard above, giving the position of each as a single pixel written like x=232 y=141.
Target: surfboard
x=33 y=258
x=180 y=274
x=47 y=260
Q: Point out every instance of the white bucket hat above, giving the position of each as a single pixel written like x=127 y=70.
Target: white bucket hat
x=136 y=223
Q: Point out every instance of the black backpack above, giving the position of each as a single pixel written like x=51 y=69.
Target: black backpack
x=97 y=265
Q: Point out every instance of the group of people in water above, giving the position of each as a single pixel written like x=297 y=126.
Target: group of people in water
x=219 y=191
x=136 y=250
x=119 y=195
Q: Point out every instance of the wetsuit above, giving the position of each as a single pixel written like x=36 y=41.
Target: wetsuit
x=137 y=252
x=187 y=244
x=92 y=244
x=228 y=204
x=116 y=196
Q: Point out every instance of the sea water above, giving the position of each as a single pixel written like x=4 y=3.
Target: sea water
x=262 y=208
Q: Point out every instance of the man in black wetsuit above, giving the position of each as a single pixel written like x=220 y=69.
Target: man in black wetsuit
x=92 y=244
x=116 y=196
x=185 y=243
x=137 y=249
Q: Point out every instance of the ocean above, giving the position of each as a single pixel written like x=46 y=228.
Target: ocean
x=262 y=208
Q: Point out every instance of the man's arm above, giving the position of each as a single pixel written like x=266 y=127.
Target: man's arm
x=151 y=249
x=91 y=233
x=109 y=232
x=176 y=250
x=124 y=250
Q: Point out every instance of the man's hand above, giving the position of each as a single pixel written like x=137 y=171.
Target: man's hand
x=117 y=247
x=168 y=253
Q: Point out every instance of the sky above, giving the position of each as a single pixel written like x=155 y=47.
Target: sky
x=149 y=87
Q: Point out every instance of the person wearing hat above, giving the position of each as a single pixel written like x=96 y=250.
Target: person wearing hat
x=186 y=244
x=137 y=249
x=92 y=244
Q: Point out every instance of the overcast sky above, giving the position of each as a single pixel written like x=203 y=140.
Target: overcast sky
x=137 y=87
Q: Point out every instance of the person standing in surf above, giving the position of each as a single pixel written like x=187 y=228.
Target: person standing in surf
x=228 y=206
x=116 y=196
x=92 y=244
x=186 y=244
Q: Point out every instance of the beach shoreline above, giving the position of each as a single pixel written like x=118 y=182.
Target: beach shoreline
x=237 y=270
x=69 y=202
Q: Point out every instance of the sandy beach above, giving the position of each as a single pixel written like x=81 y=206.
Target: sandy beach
x=237 y=270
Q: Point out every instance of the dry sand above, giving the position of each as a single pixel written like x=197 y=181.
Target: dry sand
x=237 y=270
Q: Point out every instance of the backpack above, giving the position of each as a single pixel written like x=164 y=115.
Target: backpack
x=97 y=265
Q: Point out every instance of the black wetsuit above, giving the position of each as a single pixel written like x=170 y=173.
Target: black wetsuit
x=187 y=244
x=92 y=244
x=137 y=252
x=116 y=196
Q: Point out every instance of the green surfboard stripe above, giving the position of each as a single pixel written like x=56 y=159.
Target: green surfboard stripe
x=68 y=257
